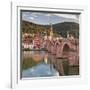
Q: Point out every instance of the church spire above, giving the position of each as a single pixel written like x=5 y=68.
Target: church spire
x=51 y=30
x=68 y=34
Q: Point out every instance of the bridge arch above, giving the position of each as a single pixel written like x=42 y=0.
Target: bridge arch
x=65 y=49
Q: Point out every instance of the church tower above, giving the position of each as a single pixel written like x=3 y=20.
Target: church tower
x=68 y=34
x=51 y=30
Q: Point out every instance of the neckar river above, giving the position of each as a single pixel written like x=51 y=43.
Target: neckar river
x=44 y=64
x=37 y=64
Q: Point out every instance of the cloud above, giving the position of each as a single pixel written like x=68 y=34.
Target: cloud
x=46 y=18
x=32 y=18
x=72 y=16
x=47 y=14
x=34 y=14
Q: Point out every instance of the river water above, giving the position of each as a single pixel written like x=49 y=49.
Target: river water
x=37 y=64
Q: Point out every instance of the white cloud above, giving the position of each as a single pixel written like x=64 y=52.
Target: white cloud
x=72 y=16
x=47 y=15
x=38 y=17
x=32 y=18
x=34 y=14
x=69 y=17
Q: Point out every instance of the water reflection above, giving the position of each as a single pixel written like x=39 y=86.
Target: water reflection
x=38 y=64
x=40 y=70
x=43 y=64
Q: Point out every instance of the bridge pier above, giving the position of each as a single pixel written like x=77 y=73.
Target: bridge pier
x=61 y=65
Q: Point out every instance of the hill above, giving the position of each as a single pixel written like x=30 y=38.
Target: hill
x=59 y=28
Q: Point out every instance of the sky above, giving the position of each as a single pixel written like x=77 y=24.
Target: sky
x=44 y=18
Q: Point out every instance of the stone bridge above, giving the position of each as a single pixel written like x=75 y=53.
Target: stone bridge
x=65 y=49
x=65 y=54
